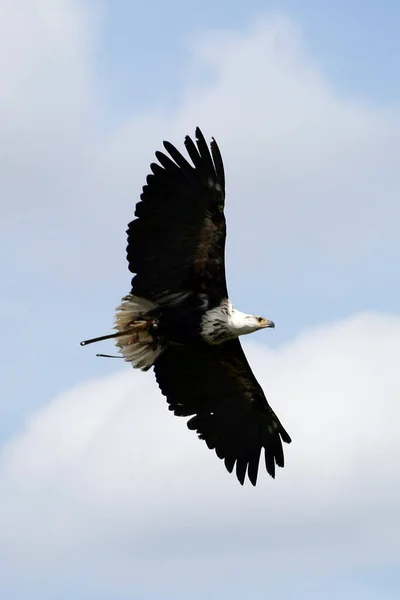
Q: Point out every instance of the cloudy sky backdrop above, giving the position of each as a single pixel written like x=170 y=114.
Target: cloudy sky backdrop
x=103 y=494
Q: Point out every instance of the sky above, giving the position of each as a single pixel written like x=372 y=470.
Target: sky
x=103 y=493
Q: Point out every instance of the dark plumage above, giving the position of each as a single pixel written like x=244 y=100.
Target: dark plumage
x=217 y=386
x=178 y=241
x=178 y=317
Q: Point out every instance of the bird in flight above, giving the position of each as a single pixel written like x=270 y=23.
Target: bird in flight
x=178 y=317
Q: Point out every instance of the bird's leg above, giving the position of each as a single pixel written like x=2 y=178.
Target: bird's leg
x=138 y=326
x=142 y=333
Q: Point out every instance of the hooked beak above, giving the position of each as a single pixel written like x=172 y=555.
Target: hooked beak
x=265 y=323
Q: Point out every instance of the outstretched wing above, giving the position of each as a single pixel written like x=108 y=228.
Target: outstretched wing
x=177 y=243
x=231 y=413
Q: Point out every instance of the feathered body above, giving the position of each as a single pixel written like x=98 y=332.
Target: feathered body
x=178 y=316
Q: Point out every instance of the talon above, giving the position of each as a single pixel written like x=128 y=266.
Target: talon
x=142 y=333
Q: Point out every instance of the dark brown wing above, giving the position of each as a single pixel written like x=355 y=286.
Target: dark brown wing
x=177 y=243
x=231 y=413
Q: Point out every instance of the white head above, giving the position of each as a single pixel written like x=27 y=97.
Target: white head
x=243 y=324
x=224 y=323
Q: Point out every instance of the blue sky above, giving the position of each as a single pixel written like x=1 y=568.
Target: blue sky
x=354 y=42
x=304 y=101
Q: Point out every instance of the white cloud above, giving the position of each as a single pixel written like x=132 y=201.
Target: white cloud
x=47 y=105
x=106 y=472
x=306 y=166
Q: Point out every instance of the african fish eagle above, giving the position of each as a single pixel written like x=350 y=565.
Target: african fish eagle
x=178 y=317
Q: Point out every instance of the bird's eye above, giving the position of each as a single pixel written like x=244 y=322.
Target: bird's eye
x=260 y=319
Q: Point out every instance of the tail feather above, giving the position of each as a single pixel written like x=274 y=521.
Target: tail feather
x=141 y=349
